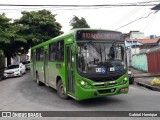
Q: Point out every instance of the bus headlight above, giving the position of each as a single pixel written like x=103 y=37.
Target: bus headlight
x=84 y=84
x=124 y=81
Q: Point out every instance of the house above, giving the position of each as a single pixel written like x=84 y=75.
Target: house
x=134 y=35
x=133 y=47
x=14 y=60
x=149 y=43
x=136 y=43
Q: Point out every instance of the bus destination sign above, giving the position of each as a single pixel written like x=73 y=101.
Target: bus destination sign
x=98 y=35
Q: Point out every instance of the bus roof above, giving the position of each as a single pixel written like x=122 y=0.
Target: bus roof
x=72 y=32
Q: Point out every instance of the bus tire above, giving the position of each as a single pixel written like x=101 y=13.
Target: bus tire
x=39 y=83
x=60 y=90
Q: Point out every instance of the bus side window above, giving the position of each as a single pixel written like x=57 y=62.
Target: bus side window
x=39 y=54
x=56 y=51
x=52 y=52
x=60 y=51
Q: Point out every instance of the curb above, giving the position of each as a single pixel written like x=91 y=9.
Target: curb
x=148 y=86
x=145 y=75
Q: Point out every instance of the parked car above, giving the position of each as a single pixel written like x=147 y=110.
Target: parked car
x=27 y=65
x=14 y=70
x=131 y=77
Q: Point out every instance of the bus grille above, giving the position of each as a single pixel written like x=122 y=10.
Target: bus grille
x=106 y=91
x=105 y=79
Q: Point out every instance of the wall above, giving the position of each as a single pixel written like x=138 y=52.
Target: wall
x=154 y=61
x=137 y=35
x=130 y=52
x=139 y=61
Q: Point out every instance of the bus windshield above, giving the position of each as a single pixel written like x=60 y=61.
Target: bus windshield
x=101 y=57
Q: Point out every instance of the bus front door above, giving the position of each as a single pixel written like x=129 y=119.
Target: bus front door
x=46 y=68
x=70 y=71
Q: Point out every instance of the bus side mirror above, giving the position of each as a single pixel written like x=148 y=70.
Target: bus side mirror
x=74 y=48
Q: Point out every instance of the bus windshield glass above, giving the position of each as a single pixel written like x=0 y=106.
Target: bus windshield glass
x=101 y=57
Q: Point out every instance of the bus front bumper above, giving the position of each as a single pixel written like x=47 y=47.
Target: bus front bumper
x=82 y=93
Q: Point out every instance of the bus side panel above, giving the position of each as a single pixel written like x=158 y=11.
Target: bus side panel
x=56 y=69
x=62 y=74
x=32 y=70
x=52 y=74
x=40 y=69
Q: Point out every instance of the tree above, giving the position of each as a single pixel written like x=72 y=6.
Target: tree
x=4 y=26
x=79 y=23
x=37 y=27
x=7 y=37
x=31 y=29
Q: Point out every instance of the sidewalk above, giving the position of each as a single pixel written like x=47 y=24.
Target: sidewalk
x=144 y=79
x=140 y=74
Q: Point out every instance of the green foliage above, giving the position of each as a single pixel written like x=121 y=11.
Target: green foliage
x=79 y=23
x=4 y=27
x=37 y=27
x=31 y=29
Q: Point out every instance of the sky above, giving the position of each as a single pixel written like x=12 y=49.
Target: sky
x=112 y=18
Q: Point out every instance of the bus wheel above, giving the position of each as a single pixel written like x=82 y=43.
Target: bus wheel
x=60 y=90
x=39 y=83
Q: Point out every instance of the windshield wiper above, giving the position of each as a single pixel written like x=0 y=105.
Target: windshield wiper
x=98 y=51
x=105 y=53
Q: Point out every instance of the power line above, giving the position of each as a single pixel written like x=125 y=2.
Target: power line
x=148 y=1
x=135 y=20
x=150 y=22
x=72 y=7
x=57 y=8
x=131 y=13
x=125 y=5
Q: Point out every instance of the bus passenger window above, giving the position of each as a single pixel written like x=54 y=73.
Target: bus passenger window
x=60 y=51
x=56 y=51
x=39 y=54
x=52 y=52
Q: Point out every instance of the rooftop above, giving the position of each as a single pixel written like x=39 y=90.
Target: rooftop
x=144 y=41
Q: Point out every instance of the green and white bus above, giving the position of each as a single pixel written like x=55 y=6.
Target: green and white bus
x=84 y=63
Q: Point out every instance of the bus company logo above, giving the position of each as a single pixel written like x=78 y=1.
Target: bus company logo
x=6 y=114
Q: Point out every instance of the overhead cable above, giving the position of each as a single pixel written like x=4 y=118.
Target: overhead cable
x=135 y=20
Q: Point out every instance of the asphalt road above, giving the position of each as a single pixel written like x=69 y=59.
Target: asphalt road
x=23 y=94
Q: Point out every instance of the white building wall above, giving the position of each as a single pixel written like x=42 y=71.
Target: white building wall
x=15 y=59
x=28 y=57
x=130 y=53
x=135 y=51
x=137 y=35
